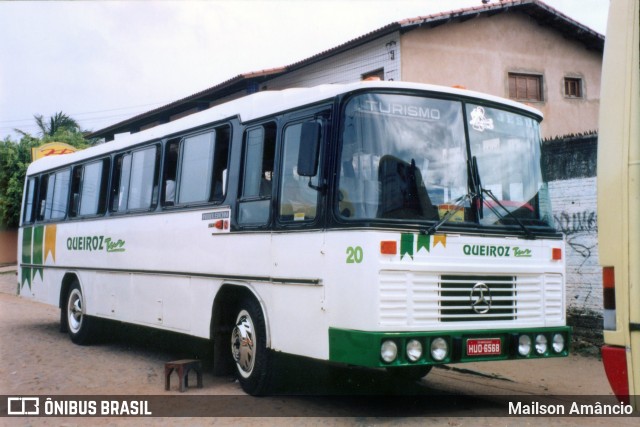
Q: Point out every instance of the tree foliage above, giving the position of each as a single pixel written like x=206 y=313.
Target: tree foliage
x=15 y=158
x=59 y=121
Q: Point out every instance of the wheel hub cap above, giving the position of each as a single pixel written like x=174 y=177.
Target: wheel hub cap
x=243 y=344
x=74 y=311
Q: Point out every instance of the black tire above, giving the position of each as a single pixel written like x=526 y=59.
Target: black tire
x=81 y=328
x=410 y=373
x=252 y=359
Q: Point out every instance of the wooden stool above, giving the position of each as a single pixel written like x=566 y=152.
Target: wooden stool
x=182 y=367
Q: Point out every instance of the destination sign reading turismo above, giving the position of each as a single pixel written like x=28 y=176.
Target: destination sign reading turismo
x=397 y=109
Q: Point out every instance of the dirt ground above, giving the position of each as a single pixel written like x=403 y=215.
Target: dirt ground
x=114 y=365
x=132 y=363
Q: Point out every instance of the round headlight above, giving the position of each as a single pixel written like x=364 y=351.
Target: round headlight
x=524 y=345
x=389 y=351
x=558 y=343
x=439 y=349
x=414 y=350
x=541 y=344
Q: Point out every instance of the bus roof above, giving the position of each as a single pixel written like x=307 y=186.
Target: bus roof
x=251 y=107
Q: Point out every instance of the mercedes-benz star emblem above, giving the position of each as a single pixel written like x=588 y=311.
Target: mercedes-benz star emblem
x=480 y=298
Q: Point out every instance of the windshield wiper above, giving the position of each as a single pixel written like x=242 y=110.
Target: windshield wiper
x=527 y=232
x=476 y=183
x=459 y=202
x=475 y=199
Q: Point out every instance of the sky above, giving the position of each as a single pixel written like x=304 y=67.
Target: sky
x=101 y=62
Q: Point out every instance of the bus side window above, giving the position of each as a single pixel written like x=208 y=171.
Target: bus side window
x=195 y=168
x=135 y=182
x=115 y=183
x=170 y=172
x=257 y=177
x=298 y=201
x=59 y=202
x=221 y=163
x=29 y=200
x=53 y=198
x=120 y=183
x=142 y=181
x=74 y=201
x=104 y=186
x=41 y=203
x=92 y=188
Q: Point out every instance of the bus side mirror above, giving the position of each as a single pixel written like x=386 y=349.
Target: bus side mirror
x=309 y=149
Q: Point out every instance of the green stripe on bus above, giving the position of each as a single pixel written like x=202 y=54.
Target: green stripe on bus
x=27 y=236
x=38 y=248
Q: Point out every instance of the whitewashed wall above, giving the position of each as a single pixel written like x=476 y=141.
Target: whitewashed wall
x=575 y=214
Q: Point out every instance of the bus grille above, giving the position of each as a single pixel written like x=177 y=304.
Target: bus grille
x=464 y=298
x=423 y=299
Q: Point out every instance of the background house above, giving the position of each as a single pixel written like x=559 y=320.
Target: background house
x=519 y=49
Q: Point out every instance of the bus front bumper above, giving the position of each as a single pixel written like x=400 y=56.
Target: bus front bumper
x=396 y=349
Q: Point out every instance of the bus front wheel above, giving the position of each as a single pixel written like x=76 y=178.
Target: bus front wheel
x=78 y=324
x=250 y=354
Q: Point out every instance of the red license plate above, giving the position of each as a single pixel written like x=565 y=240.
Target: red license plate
x=484 y=347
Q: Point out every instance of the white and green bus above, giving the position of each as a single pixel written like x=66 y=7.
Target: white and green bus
x=378 y=224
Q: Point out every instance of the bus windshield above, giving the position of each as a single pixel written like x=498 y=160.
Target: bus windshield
x=407 y=158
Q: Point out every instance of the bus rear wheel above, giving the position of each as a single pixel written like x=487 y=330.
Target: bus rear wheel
x=78 y=324
x=252 y=358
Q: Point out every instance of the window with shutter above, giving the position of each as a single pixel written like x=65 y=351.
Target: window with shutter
x=573 y=87
x=525 y=87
